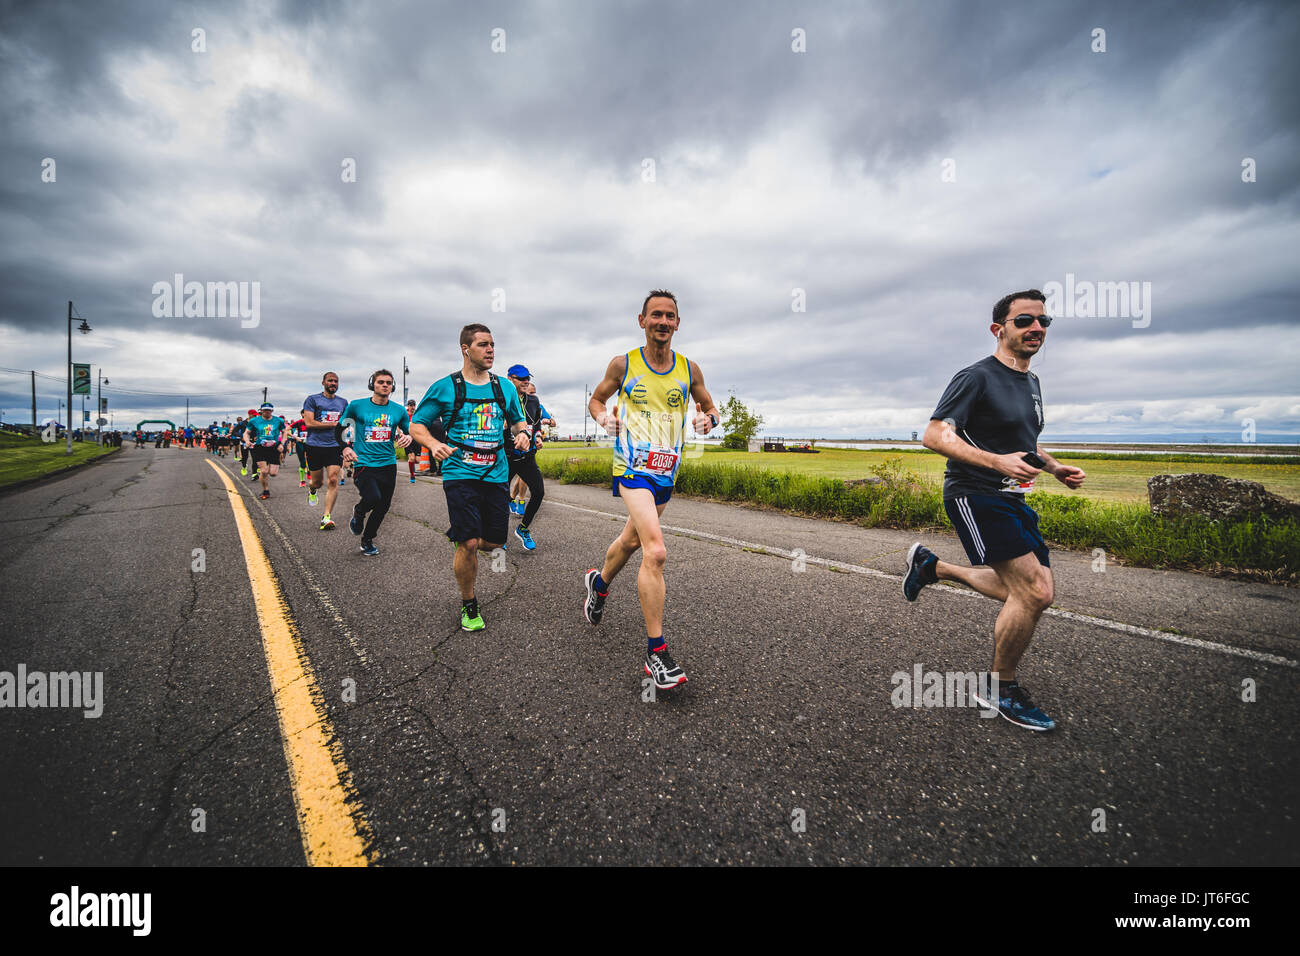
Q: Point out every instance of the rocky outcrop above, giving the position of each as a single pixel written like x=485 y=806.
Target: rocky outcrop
x=1216 y=497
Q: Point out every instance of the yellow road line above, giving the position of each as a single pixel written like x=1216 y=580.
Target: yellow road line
x=329 y=818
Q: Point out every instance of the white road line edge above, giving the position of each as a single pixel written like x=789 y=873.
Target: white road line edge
x=1118 y=626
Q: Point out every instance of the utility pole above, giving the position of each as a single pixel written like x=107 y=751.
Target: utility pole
x=187 y=403
x=33 y=403
x=187 y=413
x=586 y=411
x=69 y=428
x=405 y=393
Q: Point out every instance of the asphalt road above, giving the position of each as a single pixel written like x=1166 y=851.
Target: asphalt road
x=532 y=743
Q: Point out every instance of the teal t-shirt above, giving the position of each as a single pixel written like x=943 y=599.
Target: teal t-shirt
x=374 y=430
x=480 y=422
x=266 y=431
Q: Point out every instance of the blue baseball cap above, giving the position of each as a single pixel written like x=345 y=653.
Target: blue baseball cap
x=518 y=371
x=266 y=405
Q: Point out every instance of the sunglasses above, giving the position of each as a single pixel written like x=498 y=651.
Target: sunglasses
x=1025 y=321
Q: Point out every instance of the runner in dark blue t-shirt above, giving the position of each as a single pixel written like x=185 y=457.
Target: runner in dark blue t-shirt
x=987 y=425
x=321 y=414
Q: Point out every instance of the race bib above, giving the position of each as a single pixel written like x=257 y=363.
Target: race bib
x=654 y=459
x=1015 y=486
x=269 y=442
x=379 y=433
x=331 y=418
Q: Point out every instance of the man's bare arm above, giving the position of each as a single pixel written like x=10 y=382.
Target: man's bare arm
x=939 y=436
x=309 y=419
x=606 y=388
x=703 y=401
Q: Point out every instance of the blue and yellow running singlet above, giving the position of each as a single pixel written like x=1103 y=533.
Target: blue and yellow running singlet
x=652 y=407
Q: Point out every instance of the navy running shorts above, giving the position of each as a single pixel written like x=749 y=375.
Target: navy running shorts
x=996 y=528
x=478 y=509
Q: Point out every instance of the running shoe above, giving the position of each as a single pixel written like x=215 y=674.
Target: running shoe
x=517 y=509
x=474 y=623
x=526 y=537
x=311 y=497
x=302 y=484
x=342 y=481
x=412 y=481
x=355 y=526
x=1014 y=704
x=921 y=564
x=595 y=605
x=663 y=670
x=368 y=547
x=326 y=523
x=264 y=495
x=243 y=470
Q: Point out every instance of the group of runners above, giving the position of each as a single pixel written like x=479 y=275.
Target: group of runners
x=483 y=435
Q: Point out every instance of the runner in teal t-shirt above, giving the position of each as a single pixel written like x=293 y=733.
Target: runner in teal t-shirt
x=265 y=435
x=377 y=425
x=473 y=457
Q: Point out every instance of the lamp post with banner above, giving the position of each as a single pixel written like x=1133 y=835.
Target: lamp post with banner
x=75 y=372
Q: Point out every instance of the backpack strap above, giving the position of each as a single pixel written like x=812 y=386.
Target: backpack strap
x=498 y=397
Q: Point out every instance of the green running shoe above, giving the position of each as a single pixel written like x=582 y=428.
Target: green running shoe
x=474 y=623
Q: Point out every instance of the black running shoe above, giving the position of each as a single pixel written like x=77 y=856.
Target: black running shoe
x=595 y=605
x=921 y=563
x=663 y=670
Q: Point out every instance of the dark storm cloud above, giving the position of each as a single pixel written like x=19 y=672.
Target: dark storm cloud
x=226 y=166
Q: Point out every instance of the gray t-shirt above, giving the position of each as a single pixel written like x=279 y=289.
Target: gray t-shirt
x=994 y=408
x=326 y=410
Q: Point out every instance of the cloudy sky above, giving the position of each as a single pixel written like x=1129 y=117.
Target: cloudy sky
x=837 y=193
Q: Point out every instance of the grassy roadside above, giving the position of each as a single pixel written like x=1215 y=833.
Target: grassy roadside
x=1258 y=550
x=23 y=458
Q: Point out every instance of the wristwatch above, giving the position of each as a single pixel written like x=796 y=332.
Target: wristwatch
x=714 y=418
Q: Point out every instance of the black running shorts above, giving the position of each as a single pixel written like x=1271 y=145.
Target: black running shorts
x=319 y=457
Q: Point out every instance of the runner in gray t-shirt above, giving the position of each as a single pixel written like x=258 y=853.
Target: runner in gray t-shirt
x=987 y=425
x=321 y=414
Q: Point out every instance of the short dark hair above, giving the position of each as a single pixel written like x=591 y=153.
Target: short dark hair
x=379 y=372
x=658 y=294
x=327 y=375
x=1004 y=304
x=468 y=332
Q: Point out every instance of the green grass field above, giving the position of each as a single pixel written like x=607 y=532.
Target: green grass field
x=1111 y=514
x=1111 y=478
x=22 y=458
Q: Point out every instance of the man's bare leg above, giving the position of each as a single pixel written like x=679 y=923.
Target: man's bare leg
x=1029 y=593
x=465 y=565
x=983 y=580
x=642 y=532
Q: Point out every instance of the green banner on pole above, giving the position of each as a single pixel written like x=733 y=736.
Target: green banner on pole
x=80 y=379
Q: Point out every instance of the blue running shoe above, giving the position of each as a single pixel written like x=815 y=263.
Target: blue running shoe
x=921 y=562
x=1014 y=704
x=368 y=548
x=526 y=537
x=355 y=525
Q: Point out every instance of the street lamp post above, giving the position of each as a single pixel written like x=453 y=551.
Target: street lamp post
x=405 y=393
x=83 y=329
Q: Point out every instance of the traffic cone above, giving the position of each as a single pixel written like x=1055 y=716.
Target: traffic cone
x=423 y=465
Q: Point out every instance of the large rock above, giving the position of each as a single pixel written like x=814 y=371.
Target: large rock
x=1214 y=496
